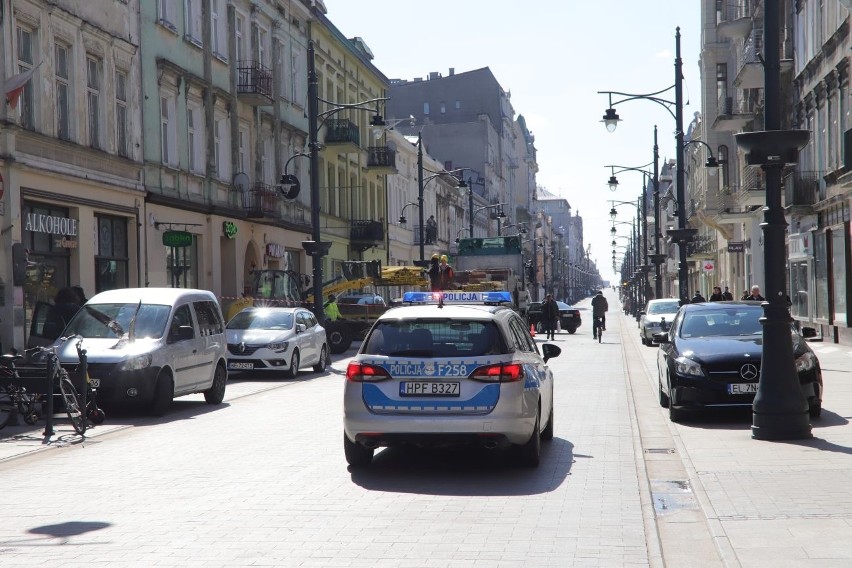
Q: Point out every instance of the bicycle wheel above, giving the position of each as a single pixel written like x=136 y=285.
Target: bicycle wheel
x=7 y=406
x=72 y=402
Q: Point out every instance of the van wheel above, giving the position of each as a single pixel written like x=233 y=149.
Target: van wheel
x=293 y=372
x=323 y=360
x=216 y=393
x=164 y=393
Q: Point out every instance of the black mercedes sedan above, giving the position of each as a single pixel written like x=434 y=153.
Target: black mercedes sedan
x=711 y=356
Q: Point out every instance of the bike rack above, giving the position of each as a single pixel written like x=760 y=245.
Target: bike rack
x=36 y=379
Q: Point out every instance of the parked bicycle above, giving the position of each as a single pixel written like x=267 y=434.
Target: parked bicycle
x=14 y=398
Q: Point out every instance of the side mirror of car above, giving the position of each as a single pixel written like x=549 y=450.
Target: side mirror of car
x=550 y=351
x=662 y=337
x=301 y=328
x=808 y=332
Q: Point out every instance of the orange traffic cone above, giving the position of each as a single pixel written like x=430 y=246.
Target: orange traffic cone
x=532 y=329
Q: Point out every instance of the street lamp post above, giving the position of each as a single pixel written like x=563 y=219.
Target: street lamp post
x=780 y=410
x=682 y=235
x=316 y=248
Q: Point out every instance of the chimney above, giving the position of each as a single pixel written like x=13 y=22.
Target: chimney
x=434 y=75
x=452 y=71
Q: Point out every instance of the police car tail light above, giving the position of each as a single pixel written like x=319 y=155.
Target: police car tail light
x=359 y=373
x=502 y=373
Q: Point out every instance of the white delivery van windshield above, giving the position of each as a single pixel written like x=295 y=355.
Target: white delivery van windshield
x=113 y=320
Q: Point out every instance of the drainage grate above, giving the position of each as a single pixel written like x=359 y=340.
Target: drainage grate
x=659 y=451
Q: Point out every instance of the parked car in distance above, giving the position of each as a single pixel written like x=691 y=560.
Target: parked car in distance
x=569 y=316
x=276 y=339
x=361 y=299
x=711 y=357
x=433 y=377
x=150 y=345
x=652 y=317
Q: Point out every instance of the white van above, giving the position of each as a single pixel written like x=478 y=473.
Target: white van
x=149 y=345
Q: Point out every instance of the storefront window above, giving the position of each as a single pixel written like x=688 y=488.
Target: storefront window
x=838 y=269
x=799 y=289
x=48 y=234
x=820 y=294
x=182 y=265
x=111 y=261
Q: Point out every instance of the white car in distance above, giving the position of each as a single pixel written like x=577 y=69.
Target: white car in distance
x=651 y=319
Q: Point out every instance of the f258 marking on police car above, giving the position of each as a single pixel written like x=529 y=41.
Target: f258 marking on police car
x=429 y=369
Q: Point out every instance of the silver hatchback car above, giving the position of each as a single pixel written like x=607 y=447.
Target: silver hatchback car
x=445 y=375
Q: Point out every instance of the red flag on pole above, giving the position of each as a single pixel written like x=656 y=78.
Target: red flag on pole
x=15 y=85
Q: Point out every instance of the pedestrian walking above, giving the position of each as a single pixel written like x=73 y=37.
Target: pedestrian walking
x=717 y=295
x=727 y=295
x=434 y=273
x=330 y=308
x=446 y=273
x=549 y=316
x=697 y=298
x=754 y=295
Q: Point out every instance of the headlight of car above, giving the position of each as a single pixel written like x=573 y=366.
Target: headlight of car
x=686 y=366
x=278 y=346
x=806 y=362
x=137 y=363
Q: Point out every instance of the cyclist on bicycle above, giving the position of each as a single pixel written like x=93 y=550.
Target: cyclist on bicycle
x=599 y=309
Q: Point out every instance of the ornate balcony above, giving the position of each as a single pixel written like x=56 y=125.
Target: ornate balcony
x=801 y=191
x=732 y=112
x=702 y=248
x=343 y=135
x=732 y=18
x=254 y=83
x=749 y=68
x=381 y=159
x=261 y=201
x=365 y=234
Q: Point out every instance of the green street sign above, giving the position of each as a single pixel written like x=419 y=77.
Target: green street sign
x=177 y=239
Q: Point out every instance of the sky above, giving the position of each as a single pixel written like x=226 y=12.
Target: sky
x=554 y=56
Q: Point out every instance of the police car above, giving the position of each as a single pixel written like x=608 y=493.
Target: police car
x=449 y=368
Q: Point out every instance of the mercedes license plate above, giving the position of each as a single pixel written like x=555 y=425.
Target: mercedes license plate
x=429 y=388
x=240 y=365
x=742 y=388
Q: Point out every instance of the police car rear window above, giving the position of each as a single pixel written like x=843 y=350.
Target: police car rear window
x=435 y=338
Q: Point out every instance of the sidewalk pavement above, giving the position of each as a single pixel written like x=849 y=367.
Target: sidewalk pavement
x=721 y=498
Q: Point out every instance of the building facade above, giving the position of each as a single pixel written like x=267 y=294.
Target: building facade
x=71 y=155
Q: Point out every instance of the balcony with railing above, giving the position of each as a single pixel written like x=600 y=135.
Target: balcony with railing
x=748 y=65
x=801 y=190
x=733 y=112
x=254 y=83
x=343 y=134
x=365 y=233
x=261 y=201
x=733 y=19
x=381 y=160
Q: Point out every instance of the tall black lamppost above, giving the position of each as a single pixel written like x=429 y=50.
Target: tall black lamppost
x=682 y=235
x=780 y=410
x=421 y=184
x=317 y=248
x=470 y=183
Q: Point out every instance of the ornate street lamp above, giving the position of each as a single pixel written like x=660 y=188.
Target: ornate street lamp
x=780 y=410
x=682 y=235
x=317 y=248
